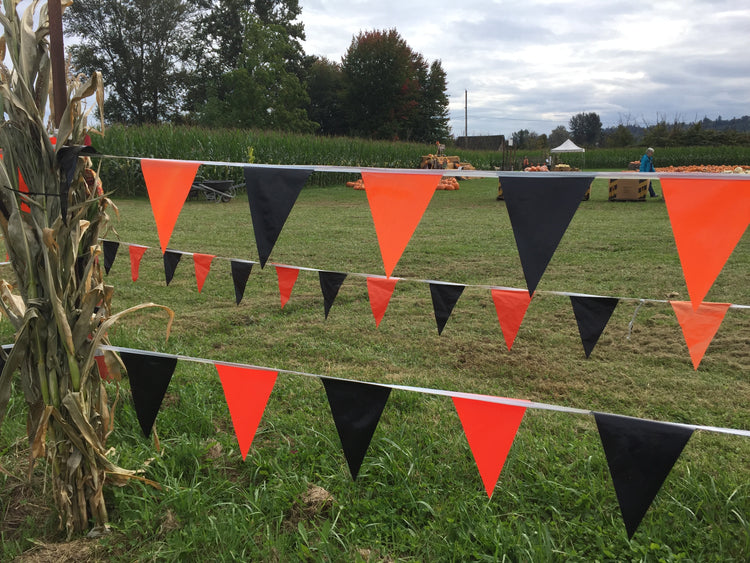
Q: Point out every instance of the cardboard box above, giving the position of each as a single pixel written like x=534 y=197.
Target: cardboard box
x=627 y=189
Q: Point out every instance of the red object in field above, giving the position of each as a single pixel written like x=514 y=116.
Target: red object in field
x=103 y=370
x=22 y=187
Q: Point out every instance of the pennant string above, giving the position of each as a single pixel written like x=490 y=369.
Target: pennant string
x=428 y=281
x=446 y=172
x=422 y=390
x=632 y=321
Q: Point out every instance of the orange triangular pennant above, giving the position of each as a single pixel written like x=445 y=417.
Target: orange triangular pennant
x=380 y=291
x=202 y=264
x=490 y=429
x=287 y=278
x=397 y=203
x=168 y=183
x=511 y=305
x=708 y=219
x=101 y=364
x=699 y=325
x=136 y=253
x=24 y=189
x=247 y=391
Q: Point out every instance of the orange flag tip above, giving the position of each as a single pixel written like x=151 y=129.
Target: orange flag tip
x=202 y=263
x=490 y=429
x=168 y=183
x=287 y=277
x=380 y=291
x=397 y=203
x=699 y=326
x=511 y=306
x=708 y=219
x=247 y=391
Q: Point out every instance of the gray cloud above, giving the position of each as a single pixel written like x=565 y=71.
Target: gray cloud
x=534 y=64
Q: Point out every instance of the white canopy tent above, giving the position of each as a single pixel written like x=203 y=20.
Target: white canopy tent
x=569 y=146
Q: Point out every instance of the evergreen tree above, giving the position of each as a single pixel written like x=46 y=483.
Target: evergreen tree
x=435 y=105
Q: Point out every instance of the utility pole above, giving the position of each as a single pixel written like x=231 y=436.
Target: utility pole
x=57 y=59
x=466 y=118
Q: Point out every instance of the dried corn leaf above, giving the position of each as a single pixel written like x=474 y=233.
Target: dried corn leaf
x=13 y=304
x=67 y=123
x=100 y=335
x=17 y=354
x=38 y=444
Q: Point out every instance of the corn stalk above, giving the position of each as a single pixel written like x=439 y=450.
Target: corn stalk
x=58 y=302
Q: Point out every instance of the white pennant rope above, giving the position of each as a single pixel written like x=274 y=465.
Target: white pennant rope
x=445 y=172
x=424 y=390
x=425 y=281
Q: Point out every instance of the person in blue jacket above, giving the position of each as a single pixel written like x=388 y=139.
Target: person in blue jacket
x=647 y=165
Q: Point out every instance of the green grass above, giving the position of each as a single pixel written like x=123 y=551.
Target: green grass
x=418 y=496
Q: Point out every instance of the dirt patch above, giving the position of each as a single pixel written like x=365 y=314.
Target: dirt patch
x=314 y=503
x=169 y=523
x=25 y=506
x=372 y=555
x=79 y=551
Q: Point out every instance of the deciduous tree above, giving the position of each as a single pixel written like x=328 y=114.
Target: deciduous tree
x=325 y=87
x=621 y=137
x=262 y=92
x=390 y=90
x=141 y=47
x=586 y=129
x=558 y=136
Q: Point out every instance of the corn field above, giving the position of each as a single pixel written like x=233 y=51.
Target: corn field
x=233 y=145
x=604 y=159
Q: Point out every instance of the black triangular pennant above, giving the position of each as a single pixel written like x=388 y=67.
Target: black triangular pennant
x=149 y=377
x=540 y=211
x=171 y=259
x=330 y=283
x=271 y=193
x=67 y=158
x=109 y=249
x=356 y=408
x=240 y=272
x=640 y=454
x=592 y=315
x=444 y=298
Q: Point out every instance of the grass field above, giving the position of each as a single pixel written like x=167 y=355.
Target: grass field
x=419 y=496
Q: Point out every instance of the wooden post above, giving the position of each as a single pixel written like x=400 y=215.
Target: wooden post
x=57 y=60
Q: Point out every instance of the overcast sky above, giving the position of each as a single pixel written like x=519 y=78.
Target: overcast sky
x=533 y=64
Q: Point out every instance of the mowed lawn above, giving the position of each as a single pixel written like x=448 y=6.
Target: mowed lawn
x=418 y=496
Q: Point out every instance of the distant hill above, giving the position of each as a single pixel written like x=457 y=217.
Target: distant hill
x=738 y=124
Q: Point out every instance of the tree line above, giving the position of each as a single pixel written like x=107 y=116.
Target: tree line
x=585 y=129
x=240 y=63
